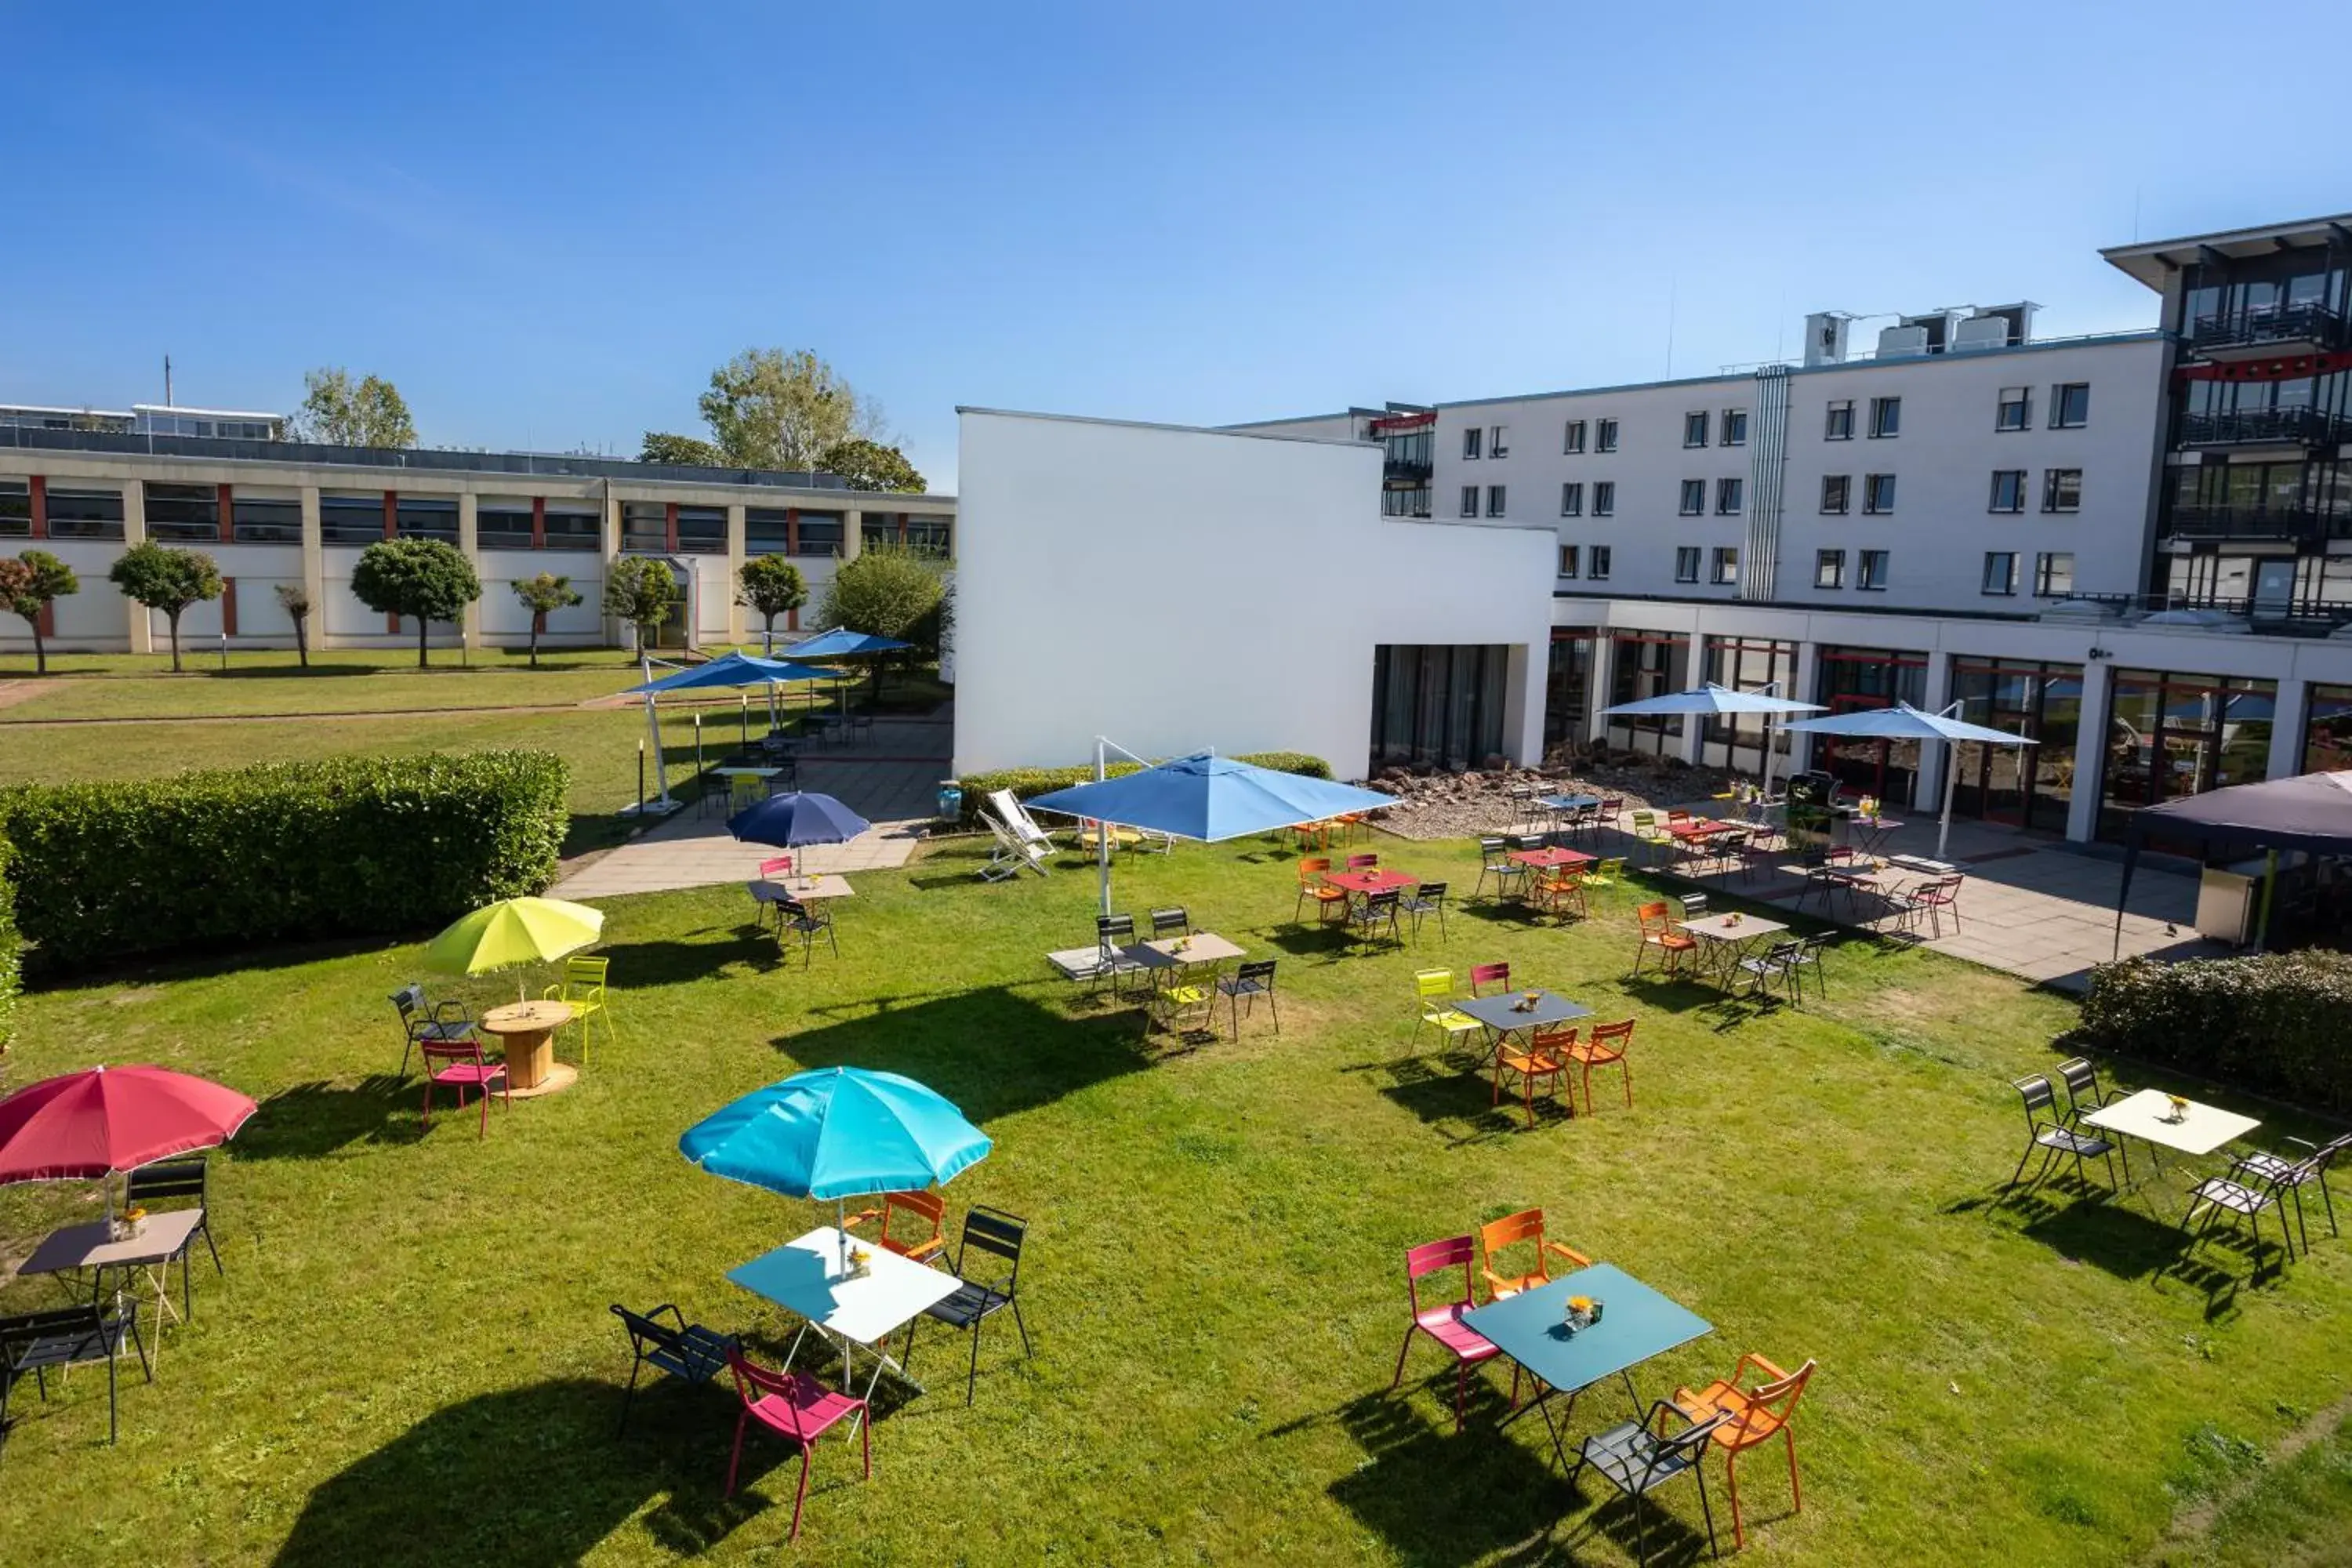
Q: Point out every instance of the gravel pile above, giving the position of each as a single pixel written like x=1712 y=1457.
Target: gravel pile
x=1432 y=805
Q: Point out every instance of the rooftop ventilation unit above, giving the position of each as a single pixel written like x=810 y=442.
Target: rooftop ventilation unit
x=1905 y=342
x=1825 y=337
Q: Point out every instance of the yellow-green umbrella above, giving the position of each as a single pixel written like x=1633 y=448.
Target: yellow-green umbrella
x=514 y=932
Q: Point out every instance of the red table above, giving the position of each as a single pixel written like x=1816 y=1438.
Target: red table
x=1551 y=859
x=1700 y=828
x=1364 y=882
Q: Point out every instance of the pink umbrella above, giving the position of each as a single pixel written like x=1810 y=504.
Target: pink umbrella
x=89 y=1125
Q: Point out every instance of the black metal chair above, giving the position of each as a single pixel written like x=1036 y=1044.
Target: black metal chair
x=1779 y=963
x=2243 y=1195
x=1112 y=935
x=688 y=1351
x=165 y=1182
x=1808 y=957
x=1495 y=860
x=420 y=1021
x=2082 y=1091
x=2292 y=1175
x=1428 y=898
x=1000 y=1236
x=35 y=1341
x=1171 y=923
x=807 y=921
x=1251 y=981
x=1693 y=906
x=1638 y=1460
x=2053 y=1137
x=1375 y=911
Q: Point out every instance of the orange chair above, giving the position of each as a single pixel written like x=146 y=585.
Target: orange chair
x=927 y=1209
x=1543 y=1059
x=1658 y=931
x=1605 y=1047
x=1311 y=872
x=1562 y=893
x=1313 y=835
x=1528 y=1225
x=1352 y=825
x=1758 y=1414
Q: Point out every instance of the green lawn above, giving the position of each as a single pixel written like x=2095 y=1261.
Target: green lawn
x=411 y=1358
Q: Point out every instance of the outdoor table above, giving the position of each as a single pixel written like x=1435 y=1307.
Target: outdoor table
x=1551 y=859
x=1853 y=877
x=1636 y=1324
x=163 y=1238
x=1729 y=935
x=2201 y=1129
x=527 y=1030
x=1924 y=866
x=802 y=889
x=1868 y=833
x=1499 y=1015
x=1364 y=884
x=1568 y=801
x=807 y=1277
x=1171 y=954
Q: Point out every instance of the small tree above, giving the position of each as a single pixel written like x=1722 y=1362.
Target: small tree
x=661 y=448
x=29 y=585
x=420 y=577
x=771 y=586
x=864 y=465
x=888 y=590
x=342 y=412
x=640 y=590
x=162 y=578
x=543 y=595
x=295 y=599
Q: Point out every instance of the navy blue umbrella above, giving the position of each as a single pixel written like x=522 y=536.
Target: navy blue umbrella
x=789 y=821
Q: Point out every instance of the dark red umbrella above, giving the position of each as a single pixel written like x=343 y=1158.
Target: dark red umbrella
x=88 y=1125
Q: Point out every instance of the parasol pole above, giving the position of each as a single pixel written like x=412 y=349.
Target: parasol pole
x=1102 y=829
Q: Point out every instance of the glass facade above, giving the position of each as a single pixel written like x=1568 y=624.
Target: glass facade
x=266 y=518
x=1436 y=705
x=702 y=530
x=1853 y=679
x=574 y=526
x=502 y=522
x=2327 y=729
x=2171 y=735
x=428 y=517
x=1737 y=741
x=820 y=533
x=927 y=532
x=1643 y=665
x=2025 y=787
x=184 y=514
x=76 y=513
x=15 y=509
x=1568 y=686
x=644 y=526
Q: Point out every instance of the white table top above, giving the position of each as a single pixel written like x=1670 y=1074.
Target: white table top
x=804 y=1276
x=802 y=889
x=1732 y=928
x=2201 y=1130
x=87 y=1246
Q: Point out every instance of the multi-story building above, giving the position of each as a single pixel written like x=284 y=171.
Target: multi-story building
x=2254 y=517
x=147 y=419
x=274 y=512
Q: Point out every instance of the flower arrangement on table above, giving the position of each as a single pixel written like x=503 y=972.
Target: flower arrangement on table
x=861 y=1263
x=127 y=1224
x=1527 y=1003
x=1580 y=1313
x=2176 y=1107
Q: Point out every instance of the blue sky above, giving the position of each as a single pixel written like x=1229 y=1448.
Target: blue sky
x=547 y=228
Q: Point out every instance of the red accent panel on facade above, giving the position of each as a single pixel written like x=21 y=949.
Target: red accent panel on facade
x=391 y=623
x=2291 y=368
x=793 y=619
x=669 y=525
x=539 y=622
x=902 y=528
x=1397 y=423
x=392 y=522
x=47 y=619
x=539 y=523
x=228 y=602
x=40 y=488
x=228 y=514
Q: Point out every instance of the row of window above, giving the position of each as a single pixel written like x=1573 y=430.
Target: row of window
x=2062 y=491
x=1595 y=559
x=2070 y=409
x=1729 y=494
x=2053 y=573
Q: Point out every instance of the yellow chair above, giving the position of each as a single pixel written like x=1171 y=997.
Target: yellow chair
x=584 y=987
x=1609 y=873
x=1434 y=989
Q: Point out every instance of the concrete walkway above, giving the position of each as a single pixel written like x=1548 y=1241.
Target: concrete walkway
x=890 y=777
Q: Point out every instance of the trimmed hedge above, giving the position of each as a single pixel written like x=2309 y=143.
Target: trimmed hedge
x=12 y=950
x=347 y=847
x=1028 y=782
x=2278 y=1024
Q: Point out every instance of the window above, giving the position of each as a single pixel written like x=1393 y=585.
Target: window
x=702 y=530
x=1727 y=497
x=574 y=525
x=426 y=517
x=644 y=526
x=1735 y=426
x=1494 y=501
x=1837 y=493
x=2053 y=573
x=1686 y=563
x=1727 y=563
x=348 y=516
x=502 y=522
x=821 y=533
x=1694 y=496
x=2000 y=572
x=1878 y=494
x=1571 y=440
x=1605 y=439
x=1498 y=441
x=1568 y=560
x=2069 y=405
x=1873 y=574
x=2015 y=409
x=1469 y=500
x=266 y=517
x=1604 y=498
x=15 y=509
x=1695 y=429
x=1405 y=500
x=1470 y=442
x=178 y=513
x=1829 y=568
x=929 y=533
x=2008 y=491
x=1839 y=425
x=1571 y=498
x=96 y=513
x=1596 y=562
x=1885 y=416
x=2061 y=490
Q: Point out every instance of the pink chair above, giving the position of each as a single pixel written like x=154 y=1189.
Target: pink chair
x=782 y=865
x=1442 y=1321
x=1497 y=974
x=1364 y=862
x=459 y=1065
x=796 y=1406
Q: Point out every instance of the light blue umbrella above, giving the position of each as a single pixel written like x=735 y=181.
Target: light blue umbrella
x=731 y=669
x=838 y=1134
x=1905 y=722
x=1711 y=700
x=843 y=642
x=1209 y=798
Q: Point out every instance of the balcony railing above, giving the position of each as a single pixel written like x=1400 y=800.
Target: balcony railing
x=1413 y=470
x=2302 y=524
x=2301 y=427
x=2269 y=326
x=2294 y=618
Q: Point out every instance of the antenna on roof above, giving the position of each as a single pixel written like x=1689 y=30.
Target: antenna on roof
x=167 y=380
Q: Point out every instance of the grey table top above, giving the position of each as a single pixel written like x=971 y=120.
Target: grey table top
x=87 y=1247
x=1495 y=1012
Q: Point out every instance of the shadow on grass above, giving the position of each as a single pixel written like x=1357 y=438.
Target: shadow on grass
x=311 y=1119
x=1456 y=1097
x=748 y=947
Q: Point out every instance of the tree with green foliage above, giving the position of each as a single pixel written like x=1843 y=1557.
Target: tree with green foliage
x=866 y=465
x=692 y=450
x=890 y=590
x=341 y=413
x=770 y=585
x=295 y=600
x=640 y=590
x=770 y=409
x=419 y=577
x=164 y=578
x=543 y=595
x=29 y=584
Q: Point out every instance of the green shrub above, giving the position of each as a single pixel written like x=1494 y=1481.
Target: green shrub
x=2274 y=1023
x=207 y=861
x=11 y=949
x=1026 y=784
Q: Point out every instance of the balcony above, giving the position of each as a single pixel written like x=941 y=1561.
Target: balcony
x=2299 y=524
x=2261 y=426
x=2267 y=332
x=1407 y=470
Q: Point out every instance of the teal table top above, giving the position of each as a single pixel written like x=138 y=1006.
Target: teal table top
x=1636 y=1324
